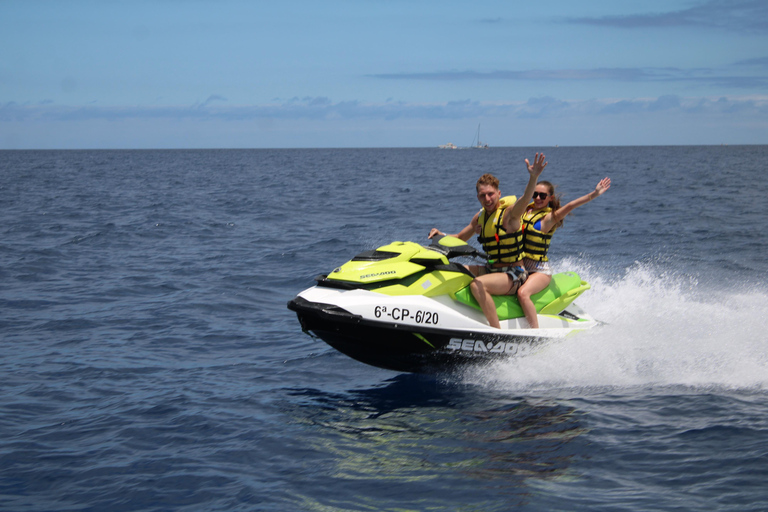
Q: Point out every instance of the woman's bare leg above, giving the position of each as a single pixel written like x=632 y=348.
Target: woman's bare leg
x=533 y=285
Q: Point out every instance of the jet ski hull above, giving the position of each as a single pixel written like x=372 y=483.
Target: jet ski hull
x=405 y=347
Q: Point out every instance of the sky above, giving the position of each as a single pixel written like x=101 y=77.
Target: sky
x=140 y=74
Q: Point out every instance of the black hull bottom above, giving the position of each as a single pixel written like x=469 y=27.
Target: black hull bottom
x=405 y=348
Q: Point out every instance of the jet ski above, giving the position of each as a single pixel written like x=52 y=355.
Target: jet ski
x=408 y=308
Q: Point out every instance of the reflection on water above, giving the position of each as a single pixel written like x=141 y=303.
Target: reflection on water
x=416 y=429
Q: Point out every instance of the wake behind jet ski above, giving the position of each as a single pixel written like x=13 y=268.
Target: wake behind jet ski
x=407 y=307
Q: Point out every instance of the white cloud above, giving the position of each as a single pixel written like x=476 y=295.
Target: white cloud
x=324 y=108
x=721 y=77
x=321 y=122
x=732 y=15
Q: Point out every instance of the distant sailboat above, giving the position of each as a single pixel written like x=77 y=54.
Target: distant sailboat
x=476 y=144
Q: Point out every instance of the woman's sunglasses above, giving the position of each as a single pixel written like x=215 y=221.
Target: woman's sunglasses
x=542 y=195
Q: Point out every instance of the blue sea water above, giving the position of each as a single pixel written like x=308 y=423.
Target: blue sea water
x=149 y=362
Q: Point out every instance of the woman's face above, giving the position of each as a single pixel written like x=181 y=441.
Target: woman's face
x=540 y=201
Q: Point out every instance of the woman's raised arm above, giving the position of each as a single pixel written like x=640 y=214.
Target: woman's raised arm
x=554 y=217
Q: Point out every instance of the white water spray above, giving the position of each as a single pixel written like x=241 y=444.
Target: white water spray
x=661 y=330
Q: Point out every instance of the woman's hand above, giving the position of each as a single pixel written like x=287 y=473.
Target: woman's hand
x=604 y=185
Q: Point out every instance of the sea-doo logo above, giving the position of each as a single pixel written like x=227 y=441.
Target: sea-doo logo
x=500 y=347
x=366 y=276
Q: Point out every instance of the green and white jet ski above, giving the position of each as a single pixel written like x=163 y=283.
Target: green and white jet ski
x=408 y=308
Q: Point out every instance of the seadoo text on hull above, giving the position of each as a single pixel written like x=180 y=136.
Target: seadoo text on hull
x=408 y=308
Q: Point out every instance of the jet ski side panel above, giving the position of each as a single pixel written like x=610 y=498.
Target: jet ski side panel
x=404 y=348
x=420 y=335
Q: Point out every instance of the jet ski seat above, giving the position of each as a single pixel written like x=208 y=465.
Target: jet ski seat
x=562 y=290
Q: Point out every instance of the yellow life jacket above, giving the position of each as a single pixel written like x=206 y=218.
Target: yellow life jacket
x=535 y=242
x=500 y=246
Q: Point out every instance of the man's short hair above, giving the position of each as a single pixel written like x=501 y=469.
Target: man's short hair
x=487 y=179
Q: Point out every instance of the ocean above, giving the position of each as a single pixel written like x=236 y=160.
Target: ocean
x=149 y=362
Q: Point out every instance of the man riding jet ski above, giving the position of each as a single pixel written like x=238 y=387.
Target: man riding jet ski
x=499 y=226
x=407 y=307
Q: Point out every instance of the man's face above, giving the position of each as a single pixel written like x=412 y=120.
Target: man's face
x=489 y=197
